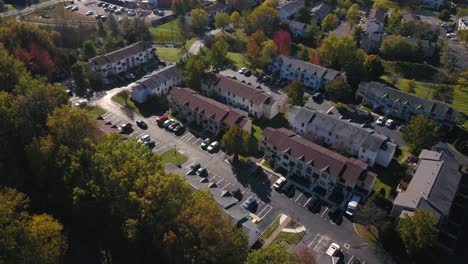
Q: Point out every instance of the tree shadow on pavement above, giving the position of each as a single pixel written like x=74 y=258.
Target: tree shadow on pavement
x=254 y=178
x=128 y=112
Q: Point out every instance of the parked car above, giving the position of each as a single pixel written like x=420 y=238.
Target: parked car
x=205 y=143
x=333 y=249
x=317 y=97
x=193 y=168
x=161 y=119
x=314 y=204
x=230 y=30
x=146 y=140
x=242 y=70
x=213 y=146
x=124 y=128
x=250 y=203
x=279 y=183
x=81 y=103
x=167 y=123
x=202 y=172
x=390 y=123
x=89 y=13
x=380 y=121
x=352 y=205
x=142 y=124
x=98 y=16
x=334 y=214
x=173 y=126
x=236 y=193
x=247 y=73
x=179 y=130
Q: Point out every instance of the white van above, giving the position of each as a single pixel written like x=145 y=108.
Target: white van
x=352 y=205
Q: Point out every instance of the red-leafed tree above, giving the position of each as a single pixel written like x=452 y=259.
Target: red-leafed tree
x=282 y=40
x=36 y=59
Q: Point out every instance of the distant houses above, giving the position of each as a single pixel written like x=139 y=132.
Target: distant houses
x=363 y=143
x=310 y=75
x=376 y=20
x=462 y=23
x=123 y=59
x=320 y=11
x=435 y=4
x=241 y=95
x=298 y=29
x=288 y=8
x=205 y=112
x=324 y=172
x=157 y=83
x=433 y=187
x=405 y=106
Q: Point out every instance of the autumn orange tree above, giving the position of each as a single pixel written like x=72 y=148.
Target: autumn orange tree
x=282 y=40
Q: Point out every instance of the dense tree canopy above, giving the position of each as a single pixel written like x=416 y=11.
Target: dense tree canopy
x=339 y=91
x=235 y=141
x=274 y=254
x=198 y=18
x=264 y=18
x=329 y=23
x=420 y=133
x=295 y=92
x=418 y=232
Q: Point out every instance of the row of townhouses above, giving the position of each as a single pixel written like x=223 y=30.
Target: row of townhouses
x=241 y=95
x=405 y=106
x=157 y=83
x=123 y=59
x=207 y=113
x=310 y=75
x=343 y=135
x=288 y=8
x=328 y=173
x=433 y=187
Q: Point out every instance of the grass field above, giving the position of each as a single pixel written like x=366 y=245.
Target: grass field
x=169 y=54
x=9 y=8
x=370 y=235
x=167 y=33
x=290 y=238
x=385 y=4
x=57 y=14
x=237 y=59
x=95 y=111
x=271 y=228
x=174 y=157
x=130 y=104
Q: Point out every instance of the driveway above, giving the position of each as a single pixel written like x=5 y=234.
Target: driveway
x=252 y=182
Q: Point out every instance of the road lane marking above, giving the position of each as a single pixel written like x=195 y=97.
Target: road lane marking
x=299 y=197
x=326 y=209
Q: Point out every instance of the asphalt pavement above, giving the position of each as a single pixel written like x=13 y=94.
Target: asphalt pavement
x=252 y=182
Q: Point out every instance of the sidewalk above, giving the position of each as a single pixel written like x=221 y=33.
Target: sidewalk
x=284 y=221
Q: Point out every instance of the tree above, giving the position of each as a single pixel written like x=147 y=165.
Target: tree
x=79 y=73
x=235 y=19
x=444 y=15
x=462 y=35
x=357 y=35
x=264 y=18
x=303 y=15
x=313 y=34
x=182 y=7
x=394 y=23
x=194 y=69
x=235 y=141
x=198 y=18
x=274 y=254
x=396 y=48
x=254 y=49
x=352 y=14
x=125 y=95
x=371 y=214
x=295 y=92
x=303 y=52
x=219 y=52
x=24 y=237
x=339 y=91
x=462 y=81
x=89 y=50
x=240 y=5
x=11 y=70
x=420 y=133
x=221 y=20
x=374 y=67
x=269 y=51
x=329 y=23
x=336 y=52
x=2 y=6
x=410 y=86
x=418 y=232
x=282 y=40
x=443 y=92
x=306 y=256
x=36 y=59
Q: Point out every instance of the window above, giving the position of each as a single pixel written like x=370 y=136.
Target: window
x=286 y=156
x=302 y=125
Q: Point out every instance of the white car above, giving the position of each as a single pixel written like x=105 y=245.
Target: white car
x=75 y=8
x=213 y=146
x=451 y=35
x=81 y=103
x=146 y=140
x=333 y=249
x=242 y=70
x=389 y=123
x=380 y=121
x=89 y=13
x=279 y=183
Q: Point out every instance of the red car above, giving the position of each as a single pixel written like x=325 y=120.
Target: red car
x=161 y=119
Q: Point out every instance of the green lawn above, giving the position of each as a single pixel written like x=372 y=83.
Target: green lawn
x=237 y=59
x=271 y=228
x=189 y=43
x=9 y=7
x=95 y=111
x=130 y=104
x=370 y=235
x=169 y=54
x=388 y=178
x=290 y=238
x=385 y=4
x=174 y=157
x=257 y=132
x=167 y=33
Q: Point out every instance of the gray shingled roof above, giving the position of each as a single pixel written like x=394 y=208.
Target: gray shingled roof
x=434 y=183
x=375 y=89
x=154 y=79
x=328 y=74
x=121 y=53
x=365 y=137
x=291 y=5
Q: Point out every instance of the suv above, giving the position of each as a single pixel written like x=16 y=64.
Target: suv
x=202 y=172
x=161 y=119
x=279 y=183
x=124 y=128
x=142 y=124
x=213 y=146
x=250 y=203
x=193 y=168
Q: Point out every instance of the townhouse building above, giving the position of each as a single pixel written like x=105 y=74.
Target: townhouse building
x=310 y=75
x=212 y=116
x=320 y=11
x=462 y=23
x=433 y=187
x=435 y=4
x=376 y=20
x=297 y=28
x=393 y=102
x=288 y=8
x=157 y=83
x=123 y=59
x=362 y=143
x=241 y=95
x=327 y=173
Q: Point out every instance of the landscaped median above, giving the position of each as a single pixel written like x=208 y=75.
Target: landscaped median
x=283 y=229
x=172 y=156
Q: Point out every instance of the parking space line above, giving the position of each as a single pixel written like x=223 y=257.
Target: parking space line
x=350 y=259
x=196 y=141
x=226 y=185
x=298 y=197
x=310 y=244
x=268 y=210
x=307 y=202
x=326 y=209
x=220 y=181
